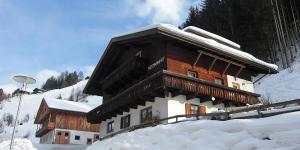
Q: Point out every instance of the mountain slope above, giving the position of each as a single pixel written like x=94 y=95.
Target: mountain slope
x=282 y=86
x=30 y=105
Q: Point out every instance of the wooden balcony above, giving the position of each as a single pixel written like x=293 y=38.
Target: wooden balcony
x=126 y=73
x=46 y=127
x=159 y=85
x=198 y=87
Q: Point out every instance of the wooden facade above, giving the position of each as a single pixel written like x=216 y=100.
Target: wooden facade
x=51 y=118
x=136 y=68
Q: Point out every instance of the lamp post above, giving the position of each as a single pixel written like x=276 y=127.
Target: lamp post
x=24 y=80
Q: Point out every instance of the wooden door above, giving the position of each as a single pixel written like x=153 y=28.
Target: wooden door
x=188 y=109
x=62 y=137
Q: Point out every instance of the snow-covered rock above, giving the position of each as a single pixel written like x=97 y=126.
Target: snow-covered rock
x=280 y=132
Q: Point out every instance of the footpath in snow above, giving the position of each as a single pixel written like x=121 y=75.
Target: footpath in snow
x=280 y=132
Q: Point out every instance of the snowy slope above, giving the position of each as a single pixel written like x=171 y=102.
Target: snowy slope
x=282 y=86
x=280 y=132
x=30 y=105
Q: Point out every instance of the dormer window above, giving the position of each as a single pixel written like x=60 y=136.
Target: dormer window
x=219 y=81
x=192 y=74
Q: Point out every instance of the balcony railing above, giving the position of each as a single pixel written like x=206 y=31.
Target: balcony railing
x=200 y=87
x=132 y=68
x=46 y=127
x=164 y=82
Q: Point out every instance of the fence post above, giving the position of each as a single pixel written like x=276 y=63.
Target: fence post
x=226 y=116
x=259 y=114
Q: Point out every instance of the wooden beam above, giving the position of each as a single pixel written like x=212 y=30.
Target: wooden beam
x=226 y=69
x=198 y=57
x=176 y=93
x=220 y=58
x=212 y=64
x=190 y=96
x=238 y=73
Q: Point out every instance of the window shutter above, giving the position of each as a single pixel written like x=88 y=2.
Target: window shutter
x=187 y=108
x=202 y=109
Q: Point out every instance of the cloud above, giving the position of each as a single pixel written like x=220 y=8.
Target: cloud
x=170 y=11
x=43 y=75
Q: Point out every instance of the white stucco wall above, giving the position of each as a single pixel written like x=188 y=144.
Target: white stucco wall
x=159 y=108
x=176 y=106
x=244 y=84
x=84 y=135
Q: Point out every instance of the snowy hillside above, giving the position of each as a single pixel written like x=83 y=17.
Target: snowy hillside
x=282 y=86
x=30 y=105
x=280 y=132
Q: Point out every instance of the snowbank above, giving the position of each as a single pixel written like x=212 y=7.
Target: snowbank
x=280 y=132
x=30 y=105
x=282 y=86
x=19 y=144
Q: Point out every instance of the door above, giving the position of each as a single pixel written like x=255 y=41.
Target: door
x=62 y=137
x=89 y=141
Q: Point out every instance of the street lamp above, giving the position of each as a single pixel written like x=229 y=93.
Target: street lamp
x=24 y=80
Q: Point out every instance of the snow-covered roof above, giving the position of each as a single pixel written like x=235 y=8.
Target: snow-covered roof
x=210 y=35
x=208 y=39
x=67 y=105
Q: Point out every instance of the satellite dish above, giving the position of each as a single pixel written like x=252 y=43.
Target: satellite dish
x=24 y=79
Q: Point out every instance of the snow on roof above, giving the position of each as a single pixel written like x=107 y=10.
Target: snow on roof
x=207 y=39
x=67 y=105
x=210 y=35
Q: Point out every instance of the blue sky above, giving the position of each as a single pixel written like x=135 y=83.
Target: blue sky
x=42 y=38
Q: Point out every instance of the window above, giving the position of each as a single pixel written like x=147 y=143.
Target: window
x=110 y=127
x=194 y=109
x=66 y=134
x=235 y=85
x=146 y=115
x=125 y=121
x=219 y=81
x=192 y=74
x=97 y=137
x=88 y=141
x=77 y=137
x=58 y=133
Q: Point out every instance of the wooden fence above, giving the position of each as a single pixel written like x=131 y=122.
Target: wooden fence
x=259 y=111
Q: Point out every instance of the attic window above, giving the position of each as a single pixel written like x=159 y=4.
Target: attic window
x=192 y=74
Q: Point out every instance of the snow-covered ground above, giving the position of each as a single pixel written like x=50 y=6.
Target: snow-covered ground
x=282 y=86
x=30 y=105
x=280 y=132
x=19 y=144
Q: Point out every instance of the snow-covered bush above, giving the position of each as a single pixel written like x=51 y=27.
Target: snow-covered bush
x=26 y=118
x=1 y=126
x=8 y=119
x=26 y=136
